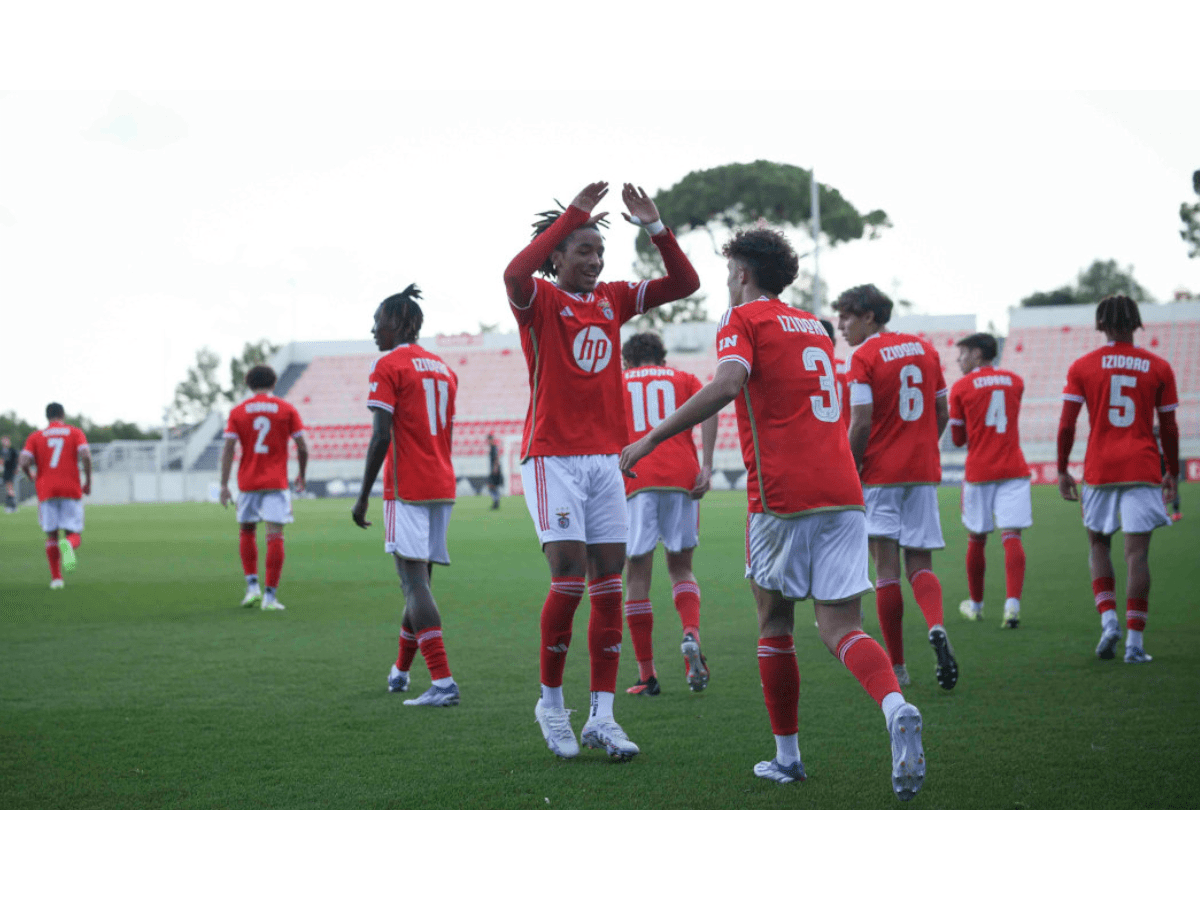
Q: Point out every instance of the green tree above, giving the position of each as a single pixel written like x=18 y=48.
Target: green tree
x=1189 y=214
x=722 y=199
x=1093 y=284
x=202 y=391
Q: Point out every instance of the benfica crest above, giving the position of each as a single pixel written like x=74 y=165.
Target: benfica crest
x=605 y=307
x=564 y=518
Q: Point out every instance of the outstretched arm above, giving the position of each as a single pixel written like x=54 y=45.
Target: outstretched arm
x=381 y=439
x=518 y=277
x=705 y=403
x=681 y=279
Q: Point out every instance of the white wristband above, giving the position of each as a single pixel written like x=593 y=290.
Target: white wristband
x=655 y=227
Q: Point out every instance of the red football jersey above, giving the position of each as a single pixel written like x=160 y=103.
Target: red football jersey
x=418 y=389
x=263 y=425
x=904 y=374
x=651 y=394
x=1122 y=386
x=794 y=445
x=55 y=451
x=987 y=403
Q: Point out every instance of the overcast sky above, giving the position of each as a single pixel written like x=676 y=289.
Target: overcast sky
x=144 y=225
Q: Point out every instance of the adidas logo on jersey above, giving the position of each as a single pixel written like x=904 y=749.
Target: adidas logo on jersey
x=566 y=313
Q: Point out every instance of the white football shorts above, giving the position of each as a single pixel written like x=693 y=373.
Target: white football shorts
x=668 y=516
x=265 y=506
x=907 y=513
x=417 y=530
x=996 y=504
x=61 y=512
x=576 y=498
x=1132 y=508
x=822 y=555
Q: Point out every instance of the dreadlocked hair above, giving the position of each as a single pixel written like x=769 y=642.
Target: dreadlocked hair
x=404 y=307
x=543 y=221
x=644 y=349
x=768 y=256
x=1118 y=313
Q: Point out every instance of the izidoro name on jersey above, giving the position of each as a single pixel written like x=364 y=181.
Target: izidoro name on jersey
x=899 y=351
x=1121 y=361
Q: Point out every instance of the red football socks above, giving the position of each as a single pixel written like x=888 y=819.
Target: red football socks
x=927 y=591
x=780 y=682
x=976 y=565
x=54 y=556
x=408 y=650
x=604 y=632
x=248 y=548
x=889 y=605
x=557 y=615
x=1014 y=564
x=74 y=539
x=274 y=558
x=687 y=603
x=640 y=616
x=1105 y=598
x=1135 y=613
x=434 y=651
x=868 y=663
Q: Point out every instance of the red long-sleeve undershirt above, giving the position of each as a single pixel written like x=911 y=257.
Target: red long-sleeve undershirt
x=680 y=281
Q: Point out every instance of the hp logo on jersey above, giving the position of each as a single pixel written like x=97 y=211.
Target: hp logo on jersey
x=592 y=349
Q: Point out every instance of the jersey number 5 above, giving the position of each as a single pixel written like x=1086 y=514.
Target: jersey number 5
x=1121 y=411
x=651 y=404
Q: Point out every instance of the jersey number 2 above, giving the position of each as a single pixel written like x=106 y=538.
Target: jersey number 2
x=262 y=425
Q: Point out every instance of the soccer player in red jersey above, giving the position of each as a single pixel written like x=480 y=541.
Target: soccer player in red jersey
x=806 y=533
x=898 y=413
x=1122 y=387
x=56 y=453
x=412 y=393
x=262 y=424
x=570 y=330
x=663 y=504
x=984 y=410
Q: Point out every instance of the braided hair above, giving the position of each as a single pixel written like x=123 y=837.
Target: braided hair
x=1118 y=313
x=543 y=221
x=404 y=308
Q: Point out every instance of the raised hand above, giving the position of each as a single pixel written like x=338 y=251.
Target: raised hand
x=642 y=210
x=590 y=196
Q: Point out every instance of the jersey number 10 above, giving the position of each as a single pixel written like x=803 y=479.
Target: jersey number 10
x=651 y=404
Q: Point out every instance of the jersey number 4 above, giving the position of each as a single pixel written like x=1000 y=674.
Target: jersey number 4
x=997 y=413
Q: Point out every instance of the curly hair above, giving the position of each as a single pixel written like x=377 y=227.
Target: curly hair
x=983 y=342
x=260 y=377
x=864 y=298
x=404 y=307
x=768 y=256
x=644 y=349
x=1118 y=313
x=544 y=220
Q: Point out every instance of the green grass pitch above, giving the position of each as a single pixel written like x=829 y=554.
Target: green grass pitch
x=143 y=685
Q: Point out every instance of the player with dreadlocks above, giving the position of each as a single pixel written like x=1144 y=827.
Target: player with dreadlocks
x=1124 y=487
x=412 y=399
x=575 y=427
